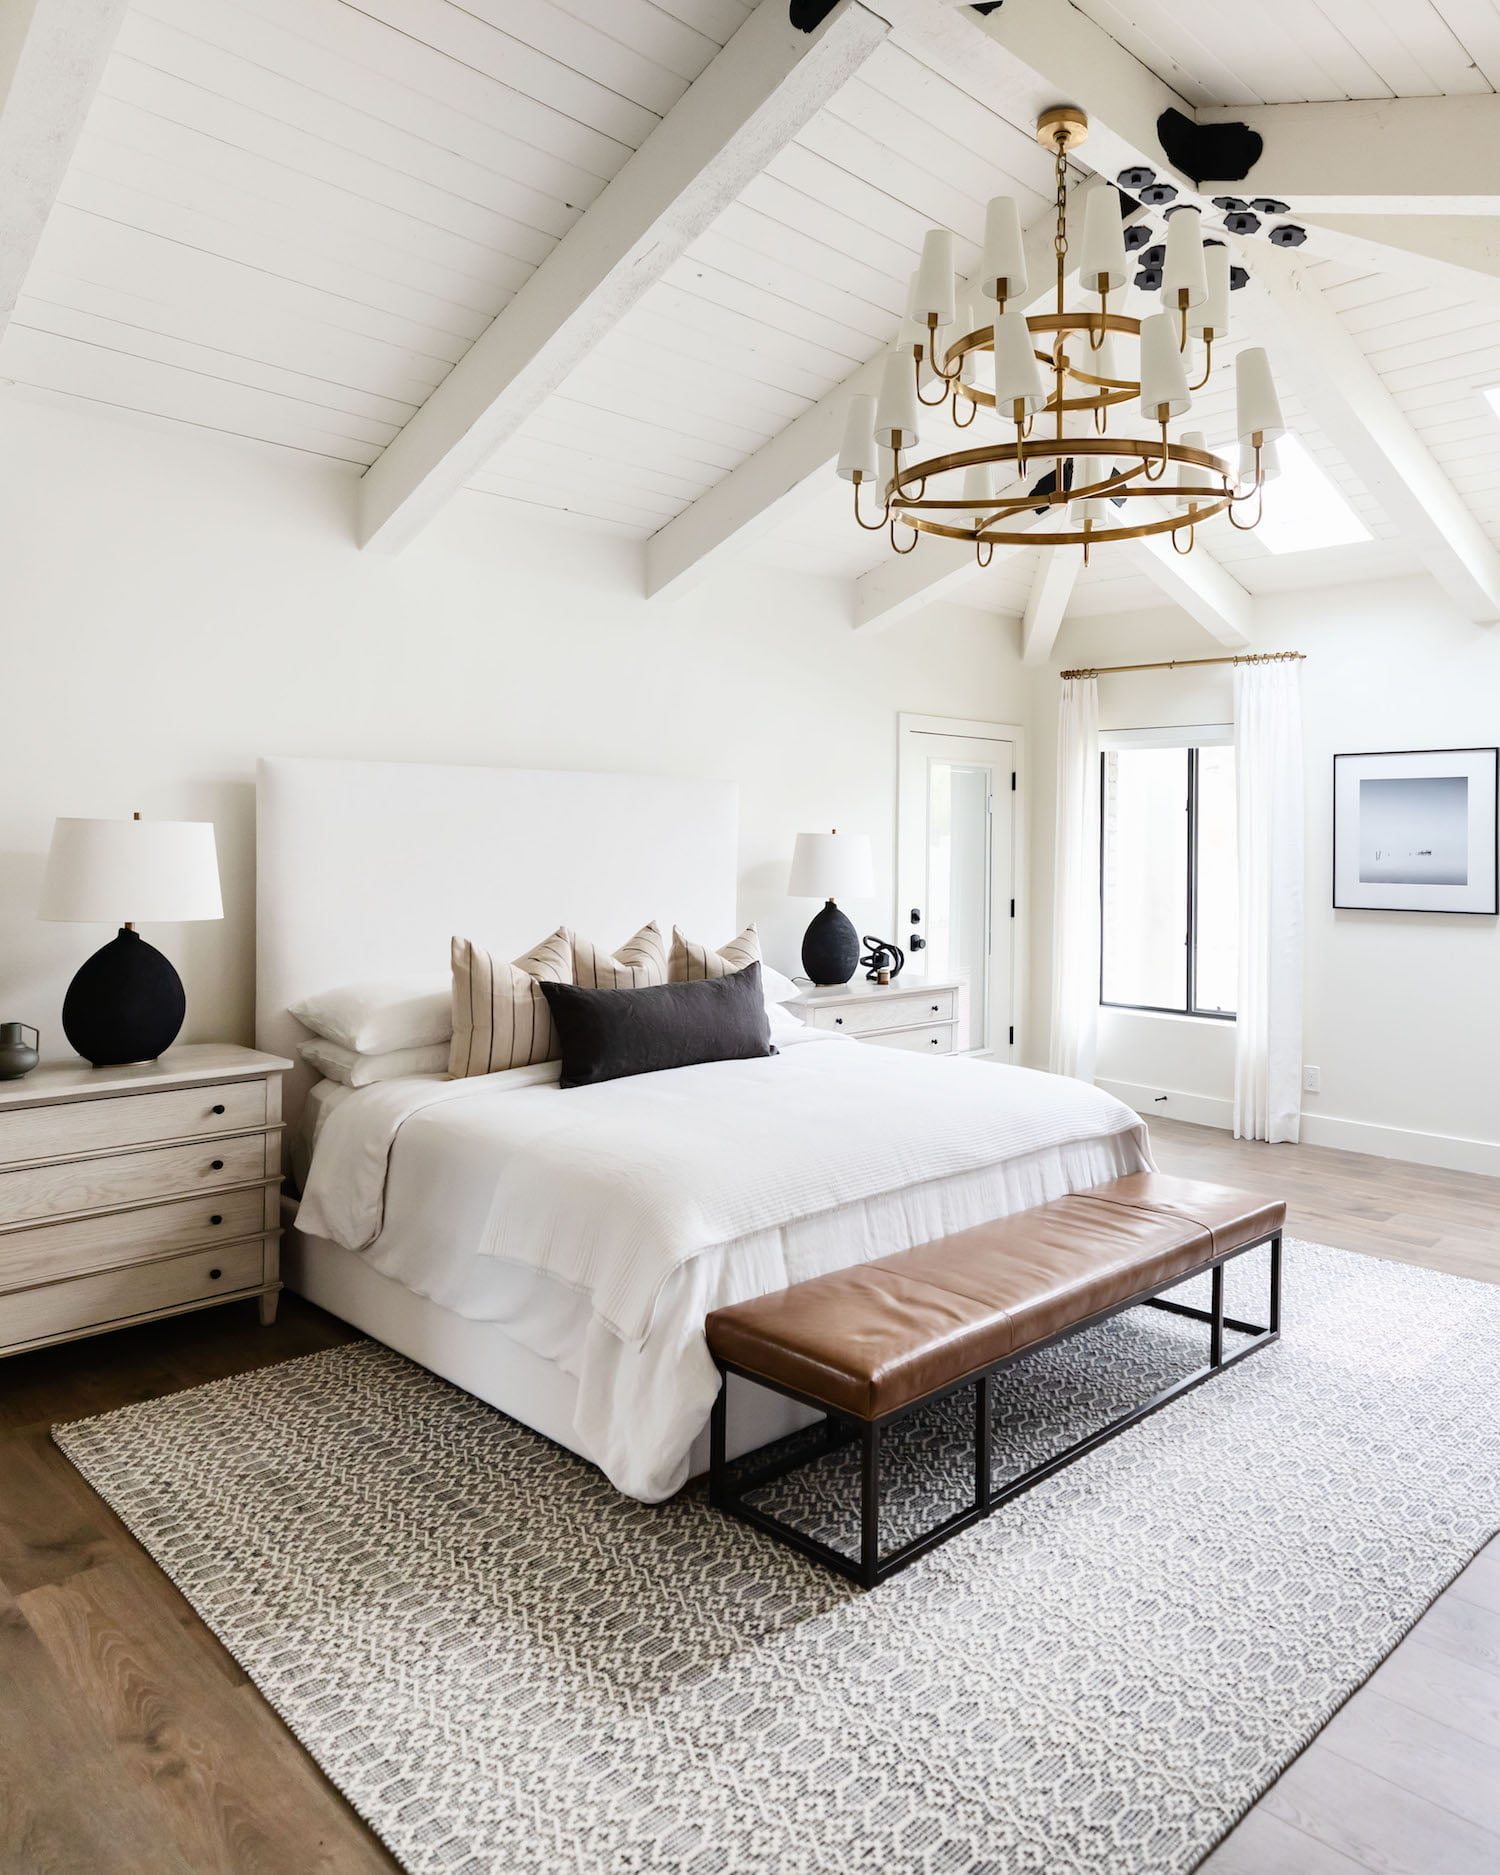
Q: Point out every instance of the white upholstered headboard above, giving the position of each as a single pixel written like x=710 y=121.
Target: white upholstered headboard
x=367 y=869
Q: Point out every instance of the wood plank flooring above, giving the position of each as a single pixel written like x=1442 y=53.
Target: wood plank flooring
x=131 y=1744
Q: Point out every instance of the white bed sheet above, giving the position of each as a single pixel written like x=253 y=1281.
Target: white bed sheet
x=641 y=1403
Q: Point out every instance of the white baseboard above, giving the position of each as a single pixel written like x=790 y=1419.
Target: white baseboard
x=1452 y=1153
x=1153 y=1102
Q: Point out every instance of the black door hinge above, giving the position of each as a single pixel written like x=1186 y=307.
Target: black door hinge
x=1012 y=781
x=1012 y=1035
x=1012 y=908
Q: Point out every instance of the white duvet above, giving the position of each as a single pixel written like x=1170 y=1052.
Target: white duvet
x=654 y=1199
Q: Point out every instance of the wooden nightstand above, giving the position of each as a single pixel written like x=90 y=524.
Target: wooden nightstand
x=129 y=1193
x=924 y=1017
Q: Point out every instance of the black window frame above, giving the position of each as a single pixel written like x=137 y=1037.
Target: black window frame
x=1190 y=936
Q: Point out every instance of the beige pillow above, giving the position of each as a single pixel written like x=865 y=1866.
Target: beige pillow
x=638 y=963
x=500 y=1016
x=691 y=962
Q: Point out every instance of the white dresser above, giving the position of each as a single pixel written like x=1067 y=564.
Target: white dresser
x=130 y=1193
x=925 y=1017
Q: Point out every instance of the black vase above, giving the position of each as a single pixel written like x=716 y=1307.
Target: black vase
x=830 y=948
x=125 y=1004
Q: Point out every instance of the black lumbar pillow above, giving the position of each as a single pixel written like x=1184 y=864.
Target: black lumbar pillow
x=609 y=1034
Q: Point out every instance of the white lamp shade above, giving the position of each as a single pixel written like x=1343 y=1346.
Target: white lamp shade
x=896 y=408
x=831 y=865
x=1213 y=314
x=1189 y=476
x=1103 y=264
x=935 y=279
x=1270 y=461
x=131 y=872
x=858 y=455
x=979 y=482
x=1259 y=408
x=1164 y=385
x=1183 y=280
x=1002 y=264
x=1018 y=375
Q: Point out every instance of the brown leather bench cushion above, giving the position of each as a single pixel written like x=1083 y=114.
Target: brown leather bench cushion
x=884 y=1334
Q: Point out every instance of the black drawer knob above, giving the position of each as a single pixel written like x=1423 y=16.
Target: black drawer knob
x=216 y=1165
x=935 y=1041
x=218 y=1109
x=216 y=1219
x=934 y=1008
x=838 y=1022
x=214 y=1275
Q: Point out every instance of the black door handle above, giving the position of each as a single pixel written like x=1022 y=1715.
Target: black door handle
x=917 y=944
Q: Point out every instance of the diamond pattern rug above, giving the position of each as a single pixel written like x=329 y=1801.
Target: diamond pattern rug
x=507 y=1667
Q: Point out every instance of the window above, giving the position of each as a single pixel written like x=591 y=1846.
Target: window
x=1169 y=884
x=1303 y=509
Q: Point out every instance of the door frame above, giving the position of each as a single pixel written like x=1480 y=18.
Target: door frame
x=908 y=728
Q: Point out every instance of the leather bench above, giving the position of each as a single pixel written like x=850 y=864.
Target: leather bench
x=871 y=1344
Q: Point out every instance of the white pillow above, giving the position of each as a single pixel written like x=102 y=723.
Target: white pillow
x=336 y=1063
x=778 y=989
x=373 y=1018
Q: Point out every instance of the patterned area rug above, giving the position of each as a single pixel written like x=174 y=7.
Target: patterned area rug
x=509 y=1668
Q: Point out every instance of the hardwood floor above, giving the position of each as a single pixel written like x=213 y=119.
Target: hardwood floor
x=131 y=1744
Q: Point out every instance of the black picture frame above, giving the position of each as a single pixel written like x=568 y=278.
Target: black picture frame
x=1351 y=893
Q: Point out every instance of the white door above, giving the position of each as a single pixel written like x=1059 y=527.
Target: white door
x=955 y=886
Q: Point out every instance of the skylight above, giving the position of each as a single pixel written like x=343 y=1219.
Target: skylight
x=1492 y=397
x=1303 y=508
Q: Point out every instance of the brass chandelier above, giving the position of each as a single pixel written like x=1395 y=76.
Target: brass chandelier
x=1064 y=477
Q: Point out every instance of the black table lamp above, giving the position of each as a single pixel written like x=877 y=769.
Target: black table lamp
x=831 y=866
x=126 y=1002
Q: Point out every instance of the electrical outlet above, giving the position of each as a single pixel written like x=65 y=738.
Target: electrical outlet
x=1312 y=1080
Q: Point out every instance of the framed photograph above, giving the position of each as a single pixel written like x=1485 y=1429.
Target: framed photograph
x=1415 y=830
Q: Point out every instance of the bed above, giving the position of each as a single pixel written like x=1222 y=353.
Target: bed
x=555 y=1253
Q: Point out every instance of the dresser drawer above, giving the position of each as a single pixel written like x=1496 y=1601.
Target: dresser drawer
x=872 y=1014
x=42 y=1191
x=95 y=1301
x=69 y=1127
x=47 y=1251
x=942 y=1039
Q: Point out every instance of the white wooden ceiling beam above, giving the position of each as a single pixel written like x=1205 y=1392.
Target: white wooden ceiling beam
x=1351 y=405
x=1388 y=156
x=749 y=103
x=1195 y=581
x=1460 y=254
x=1052 y=585
x=906 y=583
x=752 y=498
x=52 y=56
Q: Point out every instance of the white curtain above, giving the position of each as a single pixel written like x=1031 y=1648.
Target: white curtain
x=1268 y=1028
x=1075 y=908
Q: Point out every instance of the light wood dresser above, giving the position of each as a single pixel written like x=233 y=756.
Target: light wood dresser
x=130 y=1193
x=923 y=1017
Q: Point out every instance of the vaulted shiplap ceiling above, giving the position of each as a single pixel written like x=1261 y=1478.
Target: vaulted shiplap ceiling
x=288 y=220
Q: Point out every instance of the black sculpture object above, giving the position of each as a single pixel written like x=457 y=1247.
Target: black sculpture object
x=884 y=955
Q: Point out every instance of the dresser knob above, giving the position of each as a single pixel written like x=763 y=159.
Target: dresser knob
x=838 y=1022
x=216 y=1219
x=934 y=1008
x=216 y=1165
x=934 y=1041
x=218 y=1109
x=214 y=1275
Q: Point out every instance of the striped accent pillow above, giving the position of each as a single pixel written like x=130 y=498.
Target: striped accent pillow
x=691 y=963
x=500 y=1017
x=639 y=963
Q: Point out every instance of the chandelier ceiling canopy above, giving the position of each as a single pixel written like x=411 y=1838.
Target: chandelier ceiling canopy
x=1075 y=466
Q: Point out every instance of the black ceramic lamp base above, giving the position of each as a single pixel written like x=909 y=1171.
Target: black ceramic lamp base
x=830 y=948
x=125 y=1004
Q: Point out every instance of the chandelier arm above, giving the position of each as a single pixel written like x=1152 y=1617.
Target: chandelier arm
x=870 y=527
x=1249 y=527
x=1190 y=531
x=1165 y=457
x=1208 y=362
x=915 y=537
x=928 y=403
x=962 y=423
x=942 y=371
x=981 y=555
x=1099 y=331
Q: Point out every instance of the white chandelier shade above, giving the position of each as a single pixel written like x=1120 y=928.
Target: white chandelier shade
x=1084 y=428
x=1002 y=264
x=1184 y=282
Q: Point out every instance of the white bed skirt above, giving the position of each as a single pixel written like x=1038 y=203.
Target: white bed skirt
x=482 y=1359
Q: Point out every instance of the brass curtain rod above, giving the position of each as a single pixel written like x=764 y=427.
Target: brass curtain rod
x=1182 y=664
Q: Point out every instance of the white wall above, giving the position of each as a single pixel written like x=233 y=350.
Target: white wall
x=175 y=605
x=1402 y=1011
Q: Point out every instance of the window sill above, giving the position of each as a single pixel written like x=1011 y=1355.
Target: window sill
x=1167 y=1015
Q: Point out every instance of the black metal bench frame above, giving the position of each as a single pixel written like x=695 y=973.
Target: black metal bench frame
x=730 y=1484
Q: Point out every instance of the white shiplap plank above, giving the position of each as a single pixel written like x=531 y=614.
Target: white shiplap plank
x=1475 y=24
x=727 y=271
x=1409 y=44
